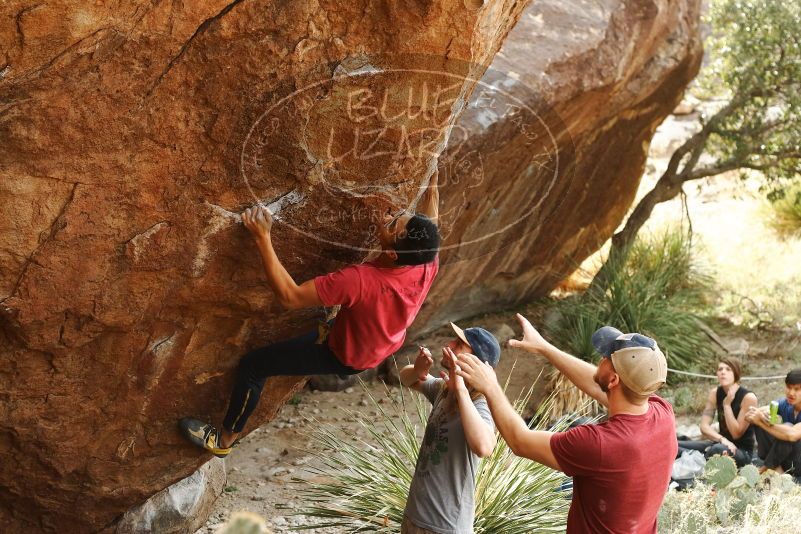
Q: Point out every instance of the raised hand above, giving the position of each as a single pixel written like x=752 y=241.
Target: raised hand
x=729 y=398
x=452 y=364
x=532 y=340
x=258 y=220
x=732 y=447
x=476 y=374
x=423 y=363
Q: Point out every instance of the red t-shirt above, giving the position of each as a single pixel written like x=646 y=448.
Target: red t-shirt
x=620 y=468
x=378 y=305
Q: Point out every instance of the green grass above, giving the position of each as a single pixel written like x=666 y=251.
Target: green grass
x=659 y=291
x=362 y=485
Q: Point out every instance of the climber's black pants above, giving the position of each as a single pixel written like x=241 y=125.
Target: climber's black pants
x=710 y=449
x=299 y=356
x=777 y=452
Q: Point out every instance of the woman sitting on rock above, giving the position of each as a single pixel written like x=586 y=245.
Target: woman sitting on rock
x=731 y=402
x=460 y=430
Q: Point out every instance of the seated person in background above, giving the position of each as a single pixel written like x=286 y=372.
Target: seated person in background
x=779 y=444
x=731 y=402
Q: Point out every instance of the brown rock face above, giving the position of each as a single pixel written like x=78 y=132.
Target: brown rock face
x=549 y=154
x=130 y=137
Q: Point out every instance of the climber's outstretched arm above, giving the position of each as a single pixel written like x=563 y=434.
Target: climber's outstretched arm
x=291 y=295
x=429 y=202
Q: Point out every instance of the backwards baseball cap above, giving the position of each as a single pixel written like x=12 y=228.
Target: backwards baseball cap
x=483 y=344
x=638 y=361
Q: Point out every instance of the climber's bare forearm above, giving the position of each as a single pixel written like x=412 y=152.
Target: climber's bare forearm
x=429 y=203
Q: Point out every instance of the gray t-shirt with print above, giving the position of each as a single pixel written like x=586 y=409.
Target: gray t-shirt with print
x=443 y=487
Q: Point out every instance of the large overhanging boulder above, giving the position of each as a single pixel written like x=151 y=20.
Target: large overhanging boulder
x=131 y=137
x=550 y=153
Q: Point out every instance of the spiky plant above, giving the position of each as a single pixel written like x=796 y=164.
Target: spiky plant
x=362 y=485
x=784 y=212
x=567 y=398
x=657 y=291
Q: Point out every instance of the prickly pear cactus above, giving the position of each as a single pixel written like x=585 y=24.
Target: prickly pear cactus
x=775 y=483
x=736 y=492
x=722 y=501
x=720 y=471
x=751 y=475
x=787 y=483
x=695 y=525
x=729 y=499
x=738 y=482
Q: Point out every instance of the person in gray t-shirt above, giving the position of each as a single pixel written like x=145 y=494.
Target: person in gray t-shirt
x=459 y=432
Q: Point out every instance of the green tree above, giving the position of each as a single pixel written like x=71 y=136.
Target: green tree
x=755 y=72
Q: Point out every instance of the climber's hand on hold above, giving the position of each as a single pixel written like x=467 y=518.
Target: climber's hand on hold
x=258 y=220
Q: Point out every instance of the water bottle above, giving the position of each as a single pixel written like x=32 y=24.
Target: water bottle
x=774 y=412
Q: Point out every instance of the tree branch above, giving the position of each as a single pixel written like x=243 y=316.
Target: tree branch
x=741 y=163
x=696 y=143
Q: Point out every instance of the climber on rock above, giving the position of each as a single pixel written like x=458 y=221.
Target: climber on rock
x=379 y=300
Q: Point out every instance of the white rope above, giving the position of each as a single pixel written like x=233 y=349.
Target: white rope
x=713 y=376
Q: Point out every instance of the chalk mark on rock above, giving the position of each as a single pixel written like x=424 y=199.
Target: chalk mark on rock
x=222 y=218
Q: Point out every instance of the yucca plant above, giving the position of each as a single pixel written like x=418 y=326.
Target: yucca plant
x=516 y=495
x=361 y=486
x=784 y=212
x=657 y=291
x=579 y=316
x=567 y=398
